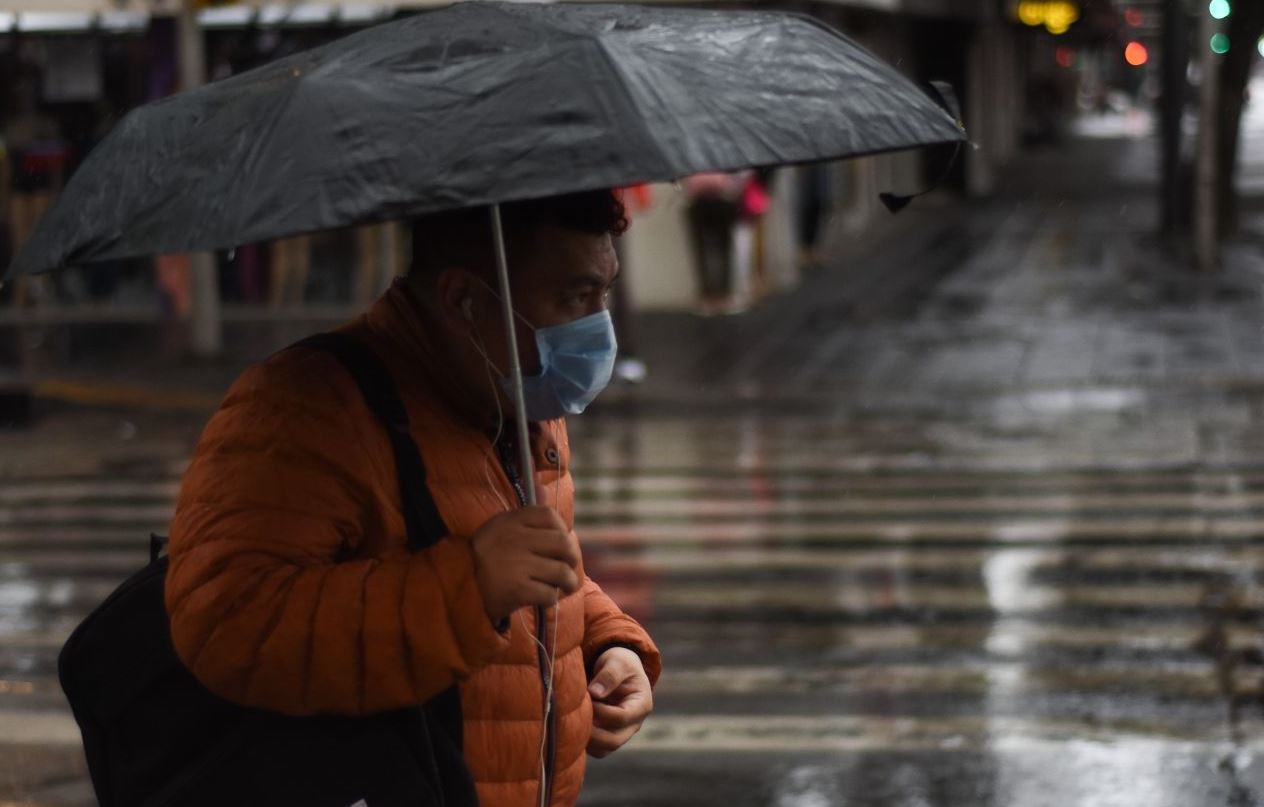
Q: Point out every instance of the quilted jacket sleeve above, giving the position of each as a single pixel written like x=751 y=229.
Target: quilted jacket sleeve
x=264 y=609
x=605 y=626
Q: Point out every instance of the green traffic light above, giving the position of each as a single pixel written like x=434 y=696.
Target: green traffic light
x=1220 y=9
x=1220 y=44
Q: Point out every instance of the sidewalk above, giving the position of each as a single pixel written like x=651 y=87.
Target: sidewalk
x=1057 y=283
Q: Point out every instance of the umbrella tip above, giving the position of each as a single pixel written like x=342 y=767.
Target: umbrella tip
x=895 y=202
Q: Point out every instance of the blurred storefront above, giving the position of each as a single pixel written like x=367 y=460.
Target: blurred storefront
x=72 y=67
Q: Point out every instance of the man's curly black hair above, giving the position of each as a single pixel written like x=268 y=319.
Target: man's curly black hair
x=464 y=237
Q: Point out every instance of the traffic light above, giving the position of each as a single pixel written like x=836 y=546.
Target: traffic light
x=1057 y=16
x=1136 y=54
x=1219 y=10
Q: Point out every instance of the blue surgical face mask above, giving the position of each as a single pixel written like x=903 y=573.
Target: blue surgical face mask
x=576 y=362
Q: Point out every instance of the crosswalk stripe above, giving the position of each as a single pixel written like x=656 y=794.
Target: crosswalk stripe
x=54 y=515
x=1005 y=637
x=1188 y=531
x=1050 y=530
x=79 y=537
x=611 y=479
x=1188 y=679
x=1197 y=561
x=38 y=728
x=641 y=510
x=694 y=734
x=161 y=501
x=96 y=491
x=769 y=516
x=850 y=506
x=1012 y=639
x=835 y=597
x=1140 y=562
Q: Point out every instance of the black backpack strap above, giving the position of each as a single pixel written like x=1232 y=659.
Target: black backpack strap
x=422 y=521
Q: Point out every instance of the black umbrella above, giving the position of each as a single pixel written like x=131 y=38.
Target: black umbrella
x=476 y=104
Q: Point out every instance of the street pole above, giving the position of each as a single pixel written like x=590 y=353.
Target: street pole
x=205 y=322
x=1206 y=242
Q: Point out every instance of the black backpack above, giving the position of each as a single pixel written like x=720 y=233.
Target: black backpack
x=155 y=737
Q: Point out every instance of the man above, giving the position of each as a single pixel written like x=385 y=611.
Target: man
x=290 y=587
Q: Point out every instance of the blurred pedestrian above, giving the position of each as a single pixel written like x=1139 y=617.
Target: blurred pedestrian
x=715 y=201
x=814 y=203
x=290 y=587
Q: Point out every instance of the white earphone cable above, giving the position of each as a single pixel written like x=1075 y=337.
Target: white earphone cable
x=548 y=654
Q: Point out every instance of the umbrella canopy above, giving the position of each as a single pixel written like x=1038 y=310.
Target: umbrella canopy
x=475 y=104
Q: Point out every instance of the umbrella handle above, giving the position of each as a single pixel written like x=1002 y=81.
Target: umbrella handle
x=526 y=465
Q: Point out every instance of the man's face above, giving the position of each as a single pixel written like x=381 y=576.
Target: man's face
x=557 y=276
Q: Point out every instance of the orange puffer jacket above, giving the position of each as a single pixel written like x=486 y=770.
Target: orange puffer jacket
x=290 y=586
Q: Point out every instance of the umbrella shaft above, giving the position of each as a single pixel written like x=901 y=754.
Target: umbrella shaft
x=515 y=364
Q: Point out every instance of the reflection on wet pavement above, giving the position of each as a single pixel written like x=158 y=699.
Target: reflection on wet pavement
x=928 y=634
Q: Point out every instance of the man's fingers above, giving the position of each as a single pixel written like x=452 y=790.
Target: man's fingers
x=533 y=592
x=558 y=544
x=538 y=517
x=613 y=669
x=638 y=704
x=555 y=573
x=602 y=743
x=613 y=718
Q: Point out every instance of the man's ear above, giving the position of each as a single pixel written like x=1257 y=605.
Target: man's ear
x=454 y=290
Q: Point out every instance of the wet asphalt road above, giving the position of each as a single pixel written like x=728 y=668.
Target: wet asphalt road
x=980 y=525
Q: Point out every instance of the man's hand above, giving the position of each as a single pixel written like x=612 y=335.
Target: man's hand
x=520 y=557
x=622 y=700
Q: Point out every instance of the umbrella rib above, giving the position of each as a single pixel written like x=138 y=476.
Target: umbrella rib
x=642 y=125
